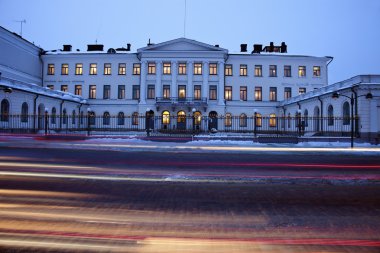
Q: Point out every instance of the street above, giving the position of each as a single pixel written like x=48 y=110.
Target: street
x=79 y=200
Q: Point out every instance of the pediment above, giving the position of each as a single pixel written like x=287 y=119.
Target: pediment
x=181 y=44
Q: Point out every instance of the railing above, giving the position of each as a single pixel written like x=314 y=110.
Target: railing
x=191 y=101
x=292 y=126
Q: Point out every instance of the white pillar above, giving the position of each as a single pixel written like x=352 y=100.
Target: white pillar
x=158 y=78
x=205 y=73
x=173 y=87
x=143 y=82
x=190 y=73
x=221 y=83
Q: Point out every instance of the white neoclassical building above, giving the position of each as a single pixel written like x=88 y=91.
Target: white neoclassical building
x=180 y=77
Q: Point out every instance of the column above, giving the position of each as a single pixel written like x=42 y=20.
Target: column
x=158 y=78
x=190 y=72
x=173 y=87
x=143 y=82
x=221 y=83
x=205 y=73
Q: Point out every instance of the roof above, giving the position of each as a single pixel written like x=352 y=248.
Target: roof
x=20 y=37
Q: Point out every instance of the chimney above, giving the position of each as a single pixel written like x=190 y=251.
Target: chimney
x=128 y=47
x=216 y=45
x=96 y=47
x=243 y=47
x=257 y=48
x=284 y=47
x=66 y=48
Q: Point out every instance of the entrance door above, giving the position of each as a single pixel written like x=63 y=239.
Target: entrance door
x=213 y=120
x=181 y=120
x=149 y=120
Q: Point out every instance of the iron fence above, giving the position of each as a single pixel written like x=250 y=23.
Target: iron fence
x=294 y=126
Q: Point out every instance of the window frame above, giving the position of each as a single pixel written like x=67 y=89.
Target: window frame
x=51 y=69
x=213 y=92
x=107 y=69
x=197 y=68
x=228 y=70
x=64 y=69
x=92 y=91
x=228 y=93
x=122 y=70
x=79 y=69
x=243 y=93
x=106 y=91
x=136 y=70
x=273 y=94
x=243 y=71
x=213 y=69
x=93 y=71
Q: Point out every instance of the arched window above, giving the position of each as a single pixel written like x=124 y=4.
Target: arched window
x=243 y=120
x=228 y=120
x=53 y=115
x=346 y=113
x=24 y=112
x=92 y=118
x=135 y=118
x=306 y=118
x=120 y=118
x=106 y=118
x=197 y=118
x=259 y=120
x=4 y=112
x=73 y=116
x=64 y=117
x=330 y=115
x=272 y=120
x=165 y=117
x=181 y=117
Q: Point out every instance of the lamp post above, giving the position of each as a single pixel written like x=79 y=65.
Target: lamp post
x=46 y=120
x=147 y=122
x=193 y=110
x=255 y=122
x=299 y=122
x=336 y=95
x=88 y=120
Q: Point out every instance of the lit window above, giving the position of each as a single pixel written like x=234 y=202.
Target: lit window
x=272 y=120
x=228 y=70
x=93 y=69
x=65 y=69
x=258 y=93
x=212 y=92
x=64 y=88
x=197 y=92
x=243 y=93
x=272 y=94
x=51 y=69
x=243 y=70
x=258 y=70
x=165 y=117
x=136 y=68
x=197 y=68
x=106 y=92
x=122 y=69
x=259 y=120
x=228 y=93
x=302 y=90
x=78 y=90
x=316 y=71
x=181 y=91
x=107 y=68
x=302 y=71
x=167 y=68
x=182 y=69
x=287 y=92
x=272 y=70
x=92 y=92
x=213 y=69
x=78 y=69
x=287 y=71
x=228 y=120
x=151 y=68
x=151 y=92
x=166 y=91
x=135 y=118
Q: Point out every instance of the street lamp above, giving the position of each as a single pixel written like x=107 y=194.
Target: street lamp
x=255 y=122
x=336 y=95
x=89 y=111
x=46 y=120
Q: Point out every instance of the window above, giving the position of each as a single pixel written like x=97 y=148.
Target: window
x=228 y=120
x=306 y=118
x=272 y=70
x=287 y=92
x=53 y=115
x=120 y=118
x=228 y=70
x=287 y=71
x=258 y=70
x=167 y=68
x=151 y=92
x=181 y=91
x=92 y=92
x=301 y=90
x=64 y=117
x=197 y=92
x=258 y=93
x=121 y=91
x=106 y=92
x=302 y=71
x=106 y=118
x=107 y=68
x=24 y=112
x=259 y=120
x=166 y=91
x=197 y=68
x=92 y=118
x=272 y=120
x=212 y=92
x=136 y=68
x=50 y=86
x=151 y=68
x=135 y=118
x=78 y=90
x=73 y=117
x=316 y=71
x=122 y=69
x=243 y=120
x=93 y=69
x=51 y=69
x=346 y=113
x=228 y=92
x=64 y=88
x=330 y=115
x=243 y=93
x=65 y=69
x=213 y=69
x=182 y=69
x=79 y=69
x=136 y=92
x=243 y=70
x=273 y=94
x=165 y=117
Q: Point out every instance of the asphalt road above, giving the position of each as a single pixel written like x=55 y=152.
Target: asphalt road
x=62 y=200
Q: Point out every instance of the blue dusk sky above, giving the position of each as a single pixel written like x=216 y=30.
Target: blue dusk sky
x=348 y=30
